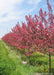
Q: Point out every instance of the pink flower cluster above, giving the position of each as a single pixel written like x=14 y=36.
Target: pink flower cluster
x=35 y=35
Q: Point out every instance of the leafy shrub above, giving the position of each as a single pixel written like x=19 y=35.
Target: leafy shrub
x=25 y=58
x=6 y=67
x=6 y=64
x=38 y=59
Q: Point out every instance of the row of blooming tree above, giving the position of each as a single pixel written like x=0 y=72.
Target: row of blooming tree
x=35 y=35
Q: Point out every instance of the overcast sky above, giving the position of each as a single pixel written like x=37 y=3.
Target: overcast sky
x=12 y=11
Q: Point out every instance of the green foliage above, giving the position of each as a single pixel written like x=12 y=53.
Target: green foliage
x=6 y=68
x=6 y=64
x=24 y=57
x=38 y=59
x=11 y=64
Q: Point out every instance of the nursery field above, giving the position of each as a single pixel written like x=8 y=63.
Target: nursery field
x=11 y=62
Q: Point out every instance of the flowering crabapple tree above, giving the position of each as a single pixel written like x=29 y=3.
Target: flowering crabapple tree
x=35 y=35
x=48 y=31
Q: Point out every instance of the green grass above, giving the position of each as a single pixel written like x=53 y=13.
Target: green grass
x=11 y=64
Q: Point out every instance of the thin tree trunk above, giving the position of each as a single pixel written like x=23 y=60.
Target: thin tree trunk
x=29 y=60
x=49 y=63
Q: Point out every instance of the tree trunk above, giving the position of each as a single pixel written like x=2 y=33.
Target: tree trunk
x=29 y=60
x=49 y=63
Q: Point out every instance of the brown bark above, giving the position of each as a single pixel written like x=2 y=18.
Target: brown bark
x=29 y=60
x=49 y=63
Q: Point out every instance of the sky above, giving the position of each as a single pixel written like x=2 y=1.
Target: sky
x=14 y=11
